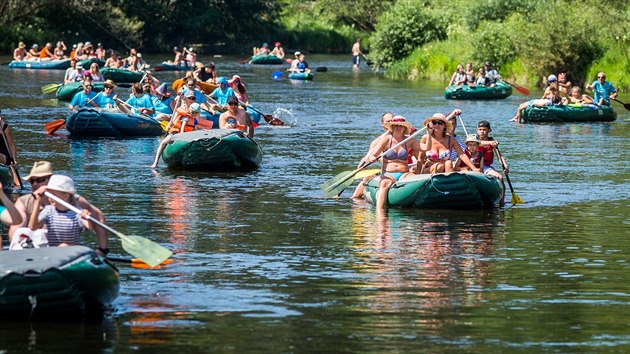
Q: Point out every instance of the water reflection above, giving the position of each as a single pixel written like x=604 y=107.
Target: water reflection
x=429 y=259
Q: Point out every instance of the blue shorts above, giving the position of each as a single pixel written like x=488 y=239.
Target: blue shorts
x=487 y=169
x=356 y=60
x=396 y=175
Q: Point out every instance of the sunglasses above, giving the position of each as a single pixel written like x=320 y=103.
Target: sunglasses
x=88 y=86
x=233 y=104
x=39 y=179
x=438 y=122
x=601 y=77
x=191 y=86
x=231 y=122
x=191 y=98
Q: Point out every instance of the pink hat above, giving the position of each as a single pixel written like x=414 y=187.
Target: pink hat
x=234 y=78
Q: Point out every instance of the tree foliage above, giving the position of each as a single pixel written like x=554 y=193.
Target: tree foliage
x=406 y=25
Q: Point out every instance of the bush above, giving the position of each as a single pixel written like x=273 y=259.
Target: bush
x=407 y=25
x=492 y=42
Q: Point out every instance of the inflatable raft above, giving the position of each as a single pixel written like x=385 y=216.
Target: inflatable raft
x=570 y=113
x=55 y=283
x=454 y=190
x=213 y=150
x=90 y=122
x=465 y=92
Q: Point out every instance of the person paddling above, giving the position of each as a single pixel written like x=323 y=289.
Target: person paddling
x=240 y=114
x=83 y=98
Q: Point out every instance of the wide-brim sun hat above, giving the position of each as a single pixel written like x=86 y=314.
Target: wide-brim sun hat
x=222 y=80
x=61 y=183
x=399 y=121
x=472 y=138
x=163 y=90
x=40 y=169
x=439 y=116
x=234 y=78
x=109 y=83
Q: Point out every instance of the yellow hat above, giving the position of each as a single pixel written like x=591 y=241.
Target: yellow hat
x=439 y=116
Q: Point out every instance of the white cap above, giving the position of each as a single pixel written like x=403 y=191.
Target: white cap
x=61 y=183
x=195 y=108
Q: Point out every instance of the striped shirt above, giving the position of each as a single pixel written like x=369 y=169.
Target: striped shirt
x=63 y=226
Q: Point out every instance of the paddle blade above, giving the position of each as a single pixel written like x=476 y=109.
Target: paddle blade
x=516 y=199
x=146 y=250
x=522 y=90
x=277 y=75
x=365 y=173
x=55 y=125
x=50 y=88
x=334 y=186
x=271 y=120
x=158 y=68
x=137 y=263
x=321 y=69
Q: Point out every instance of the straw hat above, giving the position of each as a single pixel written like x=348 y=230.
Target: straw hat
x=109 y=83
x=40 y=169
x=472 y=138
x=400 y=121
x=21 y=45
x=61 y=183
x=439 y=116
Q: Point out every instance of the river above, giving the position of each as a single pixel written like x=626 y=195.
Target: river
x=265 y=263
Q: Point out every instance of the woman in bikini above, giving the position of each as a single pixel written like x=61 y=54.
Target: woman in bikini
x=440 y=143
x=395 y=163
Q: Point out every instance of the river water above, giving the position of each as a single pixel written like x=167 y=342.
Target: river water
x=265 y=263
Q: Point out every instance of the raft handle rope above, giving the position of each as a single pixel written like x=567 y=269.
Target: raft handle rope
x=434 y=187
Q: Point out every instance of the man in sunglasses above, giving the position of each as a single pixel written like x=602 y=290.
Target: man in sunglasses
x=83 y=98
x=200 y=97
x=604 y=90
x=39 y=177
x=243 y=119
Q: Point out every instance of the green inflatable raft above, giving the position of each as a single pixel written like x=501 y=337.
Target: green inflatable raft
x=67 y=91
x=454 y=190
x=93 y=122
x=56 y=283
x=266 y=60
x=301 y=76
x=570 y=113
x=122 y=75
x=464 y=92
x=213 y=150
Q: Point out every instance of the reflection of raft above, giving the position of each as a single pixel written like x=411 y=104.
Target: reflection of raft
x=67 y=91
x=266 y=59
x=464 y=92
x=301 y=76
x=55 y=282
x=47 y=64
x=216 y=149
x=205 y=87
x=122 y=75
x=570 y=113
x=455 y=190
x=106 y=123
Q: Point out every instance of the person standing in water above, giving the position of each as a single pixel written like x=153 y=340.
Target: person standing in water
x=357 y=53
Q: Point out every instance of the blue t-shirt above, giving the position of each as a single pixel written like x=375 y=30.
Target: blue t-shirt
x=105 y=100
x=603 y=91
x=143 y=101
x=302 y=66
x=80 y=99
x=222 y=95
x=162 y=106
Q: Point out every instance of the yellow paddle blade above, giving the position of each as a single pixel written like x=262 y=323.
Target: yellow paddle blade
x=365 y=173
x=516 y=199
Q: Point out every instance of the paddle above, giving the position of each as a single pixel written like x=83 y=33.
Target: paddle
x=16 y=173
x=515 y=198
x=137 y=263
x=158 y=68
x=57 y=124
x=268 y=117
x=625 y=105
x=276 y=75
x=146 y=250
x=520 y=89
x=50 y=88
x=336 y=185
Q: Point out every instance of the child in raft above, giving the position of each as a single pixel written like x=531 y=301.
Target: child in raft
x=552 y=98
x=474 y=153
x=64 y=225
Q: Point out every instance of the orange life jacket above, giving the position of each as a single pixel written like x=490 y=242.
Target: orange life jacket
x=190 y=124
